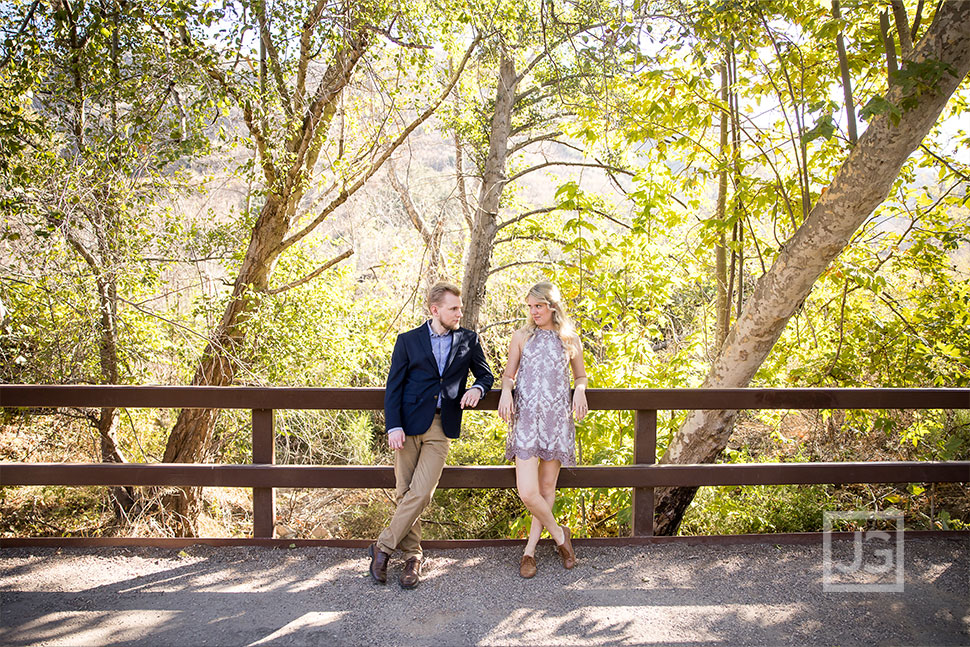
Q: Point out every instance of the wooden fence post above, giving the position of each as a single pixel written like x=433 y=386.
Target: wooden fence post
x=644 y=453
x=264 y=452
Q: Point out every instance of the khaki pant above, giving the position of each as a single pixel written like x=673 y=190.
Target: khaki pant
x=417 y=468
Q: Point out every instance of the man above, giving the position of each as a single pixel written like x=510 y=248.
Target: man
x=423 y=403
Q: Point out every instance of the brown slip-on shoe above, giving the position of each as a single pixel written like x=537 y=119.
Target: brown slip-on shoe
x=565 y=549
x=378 y=563
x=527 y=567
x=411 y=574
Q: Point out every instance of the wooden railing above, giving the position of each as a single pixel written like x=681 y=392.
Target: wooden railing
x=263 y=475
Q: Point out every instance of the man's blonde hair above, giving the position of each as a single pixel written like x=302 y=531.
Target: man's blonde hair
x=438 y=291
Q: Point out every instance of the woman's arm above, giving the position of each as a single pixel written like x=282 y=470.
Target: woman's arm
x=506 y=407
x=580 y=408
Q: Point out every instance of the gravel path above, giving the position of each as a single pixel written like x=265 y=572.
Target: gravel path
x=665 y=594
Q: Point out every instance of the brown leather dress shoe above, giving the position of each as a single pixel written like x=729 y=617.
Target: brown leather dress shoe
x=378 y=564
x=565 y=549
x=527 y=567
x=411 y=574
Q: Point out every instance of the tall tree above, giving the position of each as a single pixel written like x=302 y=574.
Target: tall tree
x=938 y=64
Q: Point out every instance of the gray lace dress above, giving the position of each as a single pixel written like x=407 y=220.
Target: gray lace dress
x=542 y=424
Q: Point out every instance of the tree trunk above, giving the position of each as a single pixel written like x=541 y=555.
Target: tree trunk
x=191 y=437
x=482 y=236
x=723 y=304
x=122 y=498
x=850 y=123
x=902 y=28
x=286 y=179
x=860 y=185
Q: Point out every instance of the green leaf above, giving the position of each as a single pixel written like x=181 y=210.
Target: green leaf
x=824 y=127
x=880 y=106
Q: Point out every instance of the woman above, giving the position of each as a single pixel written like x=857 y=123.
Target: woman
x=543 y=436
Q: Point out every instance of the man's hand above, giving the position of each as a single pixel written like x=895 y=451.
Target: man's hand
x=395 y=439
x=471 y=398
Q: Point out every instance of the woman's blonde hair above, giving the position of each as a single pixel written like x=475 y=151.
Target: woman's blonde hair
x=548 y=293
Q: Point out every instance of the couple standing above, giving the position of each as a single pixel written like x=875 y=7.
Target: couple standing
x=423 y=403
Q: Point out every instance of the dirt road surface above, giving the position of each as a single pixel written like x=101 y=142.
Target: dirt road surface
x=756 y=594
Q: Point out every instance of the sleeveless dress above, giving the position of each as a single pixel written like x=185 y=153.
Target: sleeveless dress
x=542 y=424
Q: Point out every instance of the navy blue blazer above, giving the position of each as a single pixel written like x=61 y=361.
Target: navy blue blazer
x=413 y=381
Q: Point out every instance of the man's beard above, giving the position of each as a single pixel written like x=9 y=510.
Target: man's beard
x=453 y=326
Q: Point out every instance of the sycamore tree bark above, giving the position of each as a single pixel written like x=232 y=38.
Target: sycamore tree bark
x=942 y=61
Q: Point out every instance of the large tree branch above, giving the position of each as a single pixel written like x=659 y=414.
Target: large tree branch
x=523 y=216
x=890 y=45
x=322 y=108
x=605 y=167
x=81 y=250
x=262 y=150
x=916 y=20
x=306 y=38
x=860 y=185
x=409 y=207
x=274 y=59
x=376 y=165
x=386 y=33
x=71 y=237
x=846 y=77
x=312 y=275
x=532 y=140
x=460 y=180
x=902 y=28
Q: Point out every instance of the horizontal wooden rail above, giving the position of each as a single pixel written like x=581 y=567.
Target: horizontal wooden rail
x=498 y=476
x=252 y=397
x=263 y=476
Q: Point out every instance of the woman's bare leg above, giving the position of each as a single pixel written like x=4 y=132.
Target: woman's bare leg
x=548 y=477
x=527 y=481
